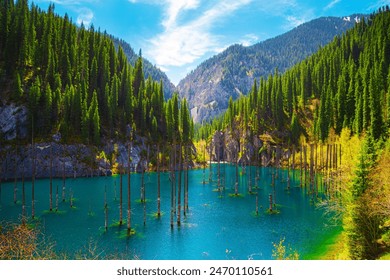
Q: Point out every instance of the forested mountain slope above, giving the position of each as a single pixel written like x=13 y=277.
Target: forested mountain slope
x=231 y=73
x=343 y=85
x=72 y=80
x=149 y=68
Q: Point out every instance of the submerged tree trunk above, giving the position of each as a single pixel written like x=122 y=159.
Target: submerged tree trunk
x=121 y=196
x=204 y=166
x=128 y=190
x=1 y=175
x=158 y=183
x=172 y=184
x=24 y=216
x=179 y=187
x=210 y=154
x=301 y=163
x=57 y=199
x=51 y=178
x=15 y=175
x=33 y=181
x=270 y=203
x=105 y=208
x=63 y=177
x=186 y=182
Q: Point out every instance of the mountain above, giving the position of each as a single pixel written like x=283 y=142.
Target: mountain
x=232 y=72
x=149 y=68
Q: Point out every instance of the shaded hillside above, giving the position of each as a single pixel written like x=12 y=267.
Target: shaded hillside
x=232 y=72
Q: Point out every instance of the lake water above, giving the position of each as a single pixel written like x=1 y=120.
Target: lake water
x=217 y=225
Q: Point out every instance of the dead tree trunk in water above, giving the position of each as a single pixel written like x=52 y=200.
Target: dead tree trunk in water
x=1 y=169
x=172 y=184
x=51 y=178
x=15 y=175
x=158 y=182
x=24 y=216
x=121 y=196
x=179 y=186
x=186 y=163
x=305 y=162
x=63 y=175
x=204 y=165
x=105 y=209
x=128 y=190
x=57 y=199
x=33 y=180
x=270 y=203
x=311 y=165
x=210 y=155
x=301 y=162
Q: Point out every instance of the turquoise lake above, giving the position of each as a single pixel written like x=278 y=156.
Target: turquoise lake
x=216 y=227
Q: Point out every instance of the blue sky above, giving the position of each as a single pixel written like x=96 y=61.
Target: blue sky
x=177 y=35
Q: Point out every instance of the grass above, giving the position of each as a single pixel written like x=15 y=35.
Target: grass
x=236 y=195
x=332 y=248
x=385 y=257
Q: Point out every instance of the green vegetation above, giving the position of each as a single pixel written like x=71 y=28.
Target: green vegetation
x=338 y=95
x=344 y=85
x=75 y=82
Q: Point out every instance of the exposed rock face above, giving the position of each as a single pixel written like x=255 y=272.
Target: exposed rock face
x=13 y=122
x=227 y=146
x=76 y=160
x=232 y=72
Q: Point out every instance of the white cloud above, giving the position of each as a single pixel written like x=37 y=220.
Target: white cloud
x=331 y=4
x=85 y=16
x=294 y=21
x=378 y=4
x=174 y=9
x=249 y=39
x=182 y=43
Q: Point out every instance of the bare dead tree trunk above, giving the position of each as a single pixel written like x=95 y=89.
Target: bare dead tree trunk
x=121 y=196
x=33 y=180
x=301 y=162
x=188 y=154
x=158 y=183
x=51 y=178
x=57 y=199
x=185 y=169
x=174 y=181
x=270 y=203
x=172 y=185
x=210 y=154
x=179 y=186
x=204 y=165
x=23 y=198
x=311 y=164
x=63 y=176
x=15 y=175
x=142 y=186
x=257 y=204
x=218 y=147
x=105 y=209
x=274 y=189
x=71 y=197
x=128 y=190
x=1 y=176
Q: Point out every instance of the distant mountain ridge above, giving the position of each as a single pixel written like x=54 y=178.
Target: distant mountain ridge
x=149 y=68
x=232 y=72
